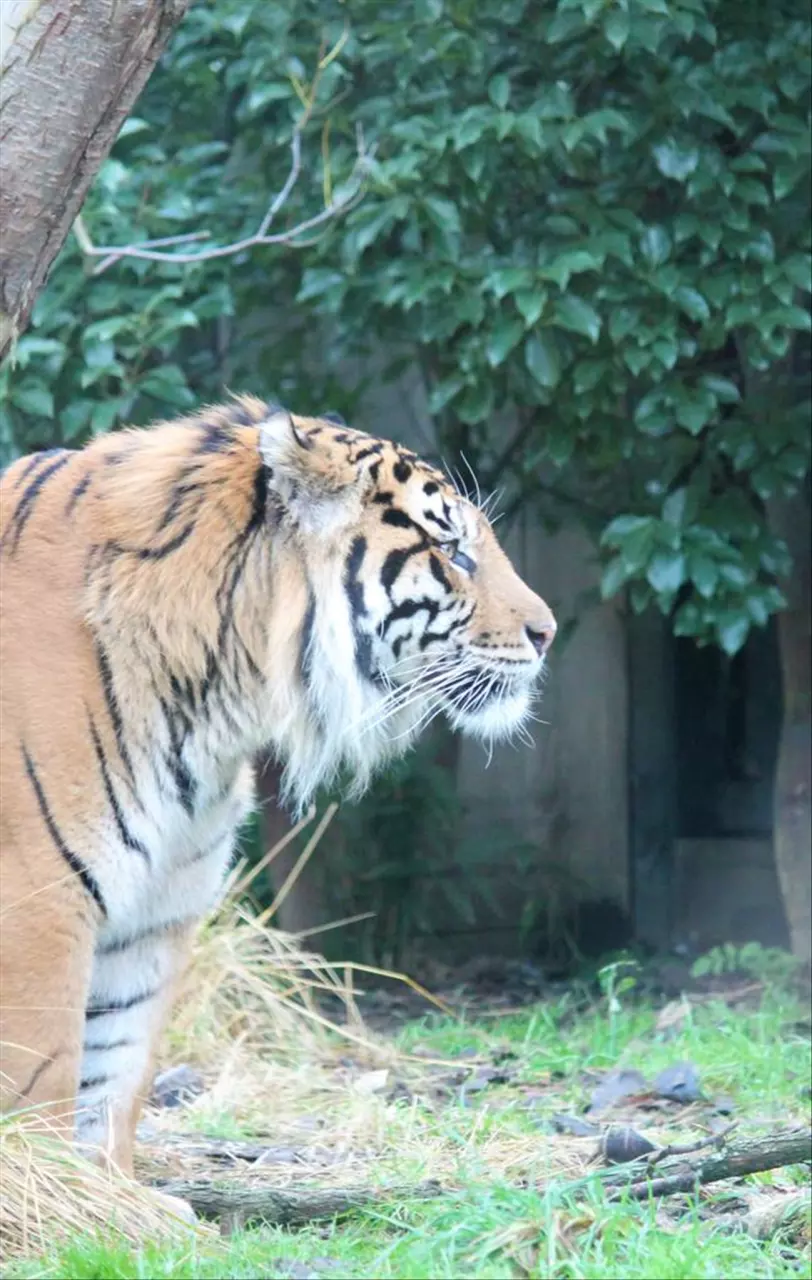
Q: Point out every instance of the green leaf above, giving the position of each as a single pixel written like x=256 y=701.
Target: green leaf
x=105 y=415
x=542 y=359
x=568 y=263
x=689 y=620
x=444 y=392
x=622 y=321
x=75 y=417
x=167 y=383
x=666 y=572
x=565 y=23
x=724 y=389
x=675 y=161
x=704 y=574
x=444 y=213
x=499 y=91
x=476 y=403
x=623 y=527
x=577 y=315
x=692 y=303
x=636 y=360
x=674 y=506
x=33 y=398
x=508 y=279
x=616 y=28
x=133 y=124
x=655 y=245
x=693 y=413
x=732 y=629
x=528 y=126
x=588 y=373
x=502 y=339
x=530 y=302
x=614 y=576
x=263 y=94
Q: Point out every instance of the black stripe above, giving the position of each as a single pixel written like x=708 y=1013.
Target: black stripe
x=35 y=1075
x=238 y=556
x=185 y=782
x=439 y=521
x=25 y=506
x=179 y=726
x=79 y=489
x=353 y=587
x=152 y=553
x=369 y=451
x=36 y=460
x=113 y=708
x=393 y=515
x=75 y=863
x=394 y=562
x=119 y=1006
x=408 y=609
x=127 y=838
x=91 y=1082
x=306 y=639
x=125 y=1043
x=439 y=573
x=150 y=931
x=457 y=625
x=216 y=438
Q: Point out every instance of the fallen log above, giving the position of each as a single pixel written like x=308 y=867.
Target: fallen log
x=240 y=1202
x=676 y=1174
x=237 y=1203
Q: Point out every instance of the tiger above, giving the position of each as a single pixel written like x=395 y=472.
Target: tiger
x=175 y=600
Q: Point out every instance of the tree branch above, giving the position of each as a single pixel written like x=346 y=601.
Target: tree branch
x=154 y=250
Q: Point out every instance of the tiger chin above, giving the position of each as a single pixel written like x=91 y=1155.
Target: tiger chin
x=175 y=600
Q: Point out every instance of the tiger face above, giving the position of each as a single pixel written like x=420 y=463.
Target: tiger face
x=439 y=620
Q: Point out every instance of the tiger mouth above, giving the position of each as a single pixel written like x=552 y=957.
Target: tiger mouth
x=473 y=691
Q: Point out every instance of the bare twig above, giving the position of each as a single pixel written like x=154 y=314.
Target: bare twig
x=716 y=1140
x=156 y=250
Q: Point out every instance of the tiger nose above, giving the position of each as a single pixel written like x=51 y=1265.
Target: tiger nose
x=541 y=638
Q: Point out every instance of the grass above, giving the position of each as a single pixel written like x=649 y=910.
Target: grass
x=465 y=1099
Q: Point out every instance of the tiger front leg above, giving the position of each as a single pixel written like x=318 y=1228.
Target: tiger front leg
x=47 y=936
x=131 y=994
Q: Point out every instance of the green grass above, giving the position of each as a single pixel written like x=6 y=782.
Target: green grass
x=488 y=1226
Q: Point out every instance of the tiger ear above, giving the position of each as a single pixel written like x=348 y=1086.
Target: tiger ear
x=313 y=476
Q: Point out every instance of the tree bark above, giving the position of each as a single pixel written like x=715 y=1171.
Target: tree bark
x=790 y=519
x=70 y=71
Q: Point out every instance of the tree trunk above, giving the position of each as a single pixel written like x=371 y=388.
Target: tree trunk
x=302 y=909
x=791 y=520
x=70 y=71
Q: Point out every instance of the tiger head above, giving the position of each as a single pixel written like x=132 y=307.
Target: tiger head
x=412 y=607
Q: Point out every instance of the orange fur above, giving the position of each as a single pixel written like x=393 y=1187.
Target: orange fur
x=172 y=601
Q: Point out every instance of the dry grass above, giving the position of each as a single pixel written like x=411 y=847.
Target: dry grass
x=286 y=1058
x=48 y=1193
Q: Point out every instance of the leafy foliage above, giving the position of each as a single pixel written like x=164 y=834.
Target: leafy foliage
x=588 y=219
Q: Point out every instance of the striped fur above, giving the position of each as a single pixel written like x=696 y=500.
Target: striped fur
x=174 y=600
